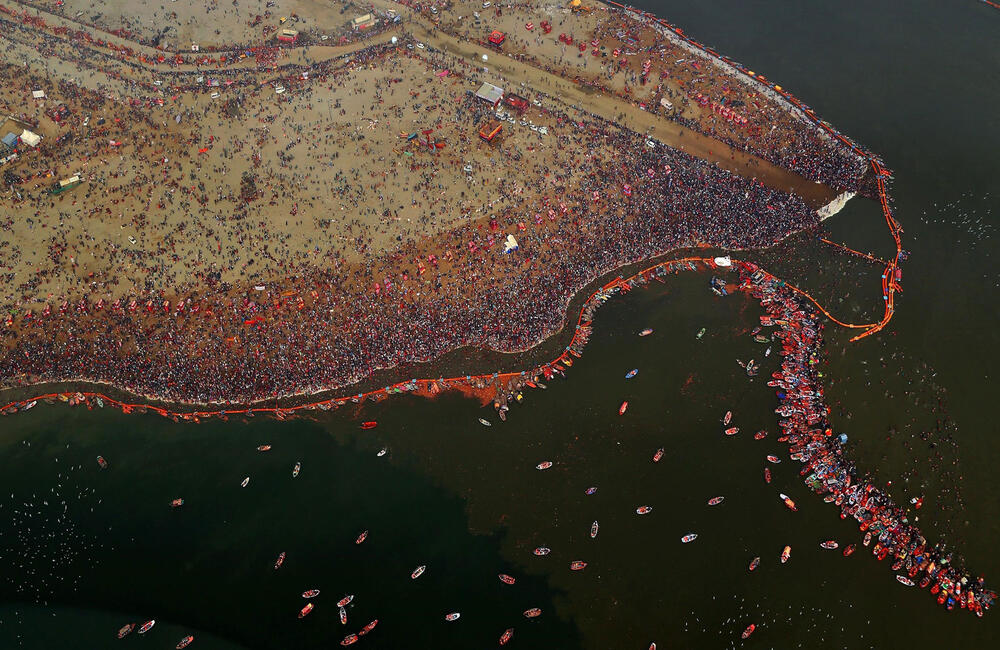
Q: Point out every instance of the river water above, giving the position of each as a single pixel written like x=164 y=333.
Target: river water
x=85 y=551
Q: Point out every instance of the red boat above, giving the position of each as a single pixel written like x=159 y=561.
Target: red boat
x=760 y=435
x=185 y=642
x=454 y=616
x=368 y=628
x=658 y=455
x=103 y=463
x=279 y=561
x=714 y=501
x=754 y=562
x=544 y=465
x=623 y=408
x=506 y=579
x=264 y=448
x=362 y=537
x=750 y=628
x=727 y=418
x=848 y=550
x=177 y=503
x=369 y=425
x=305 y=610
x=788 y=502
x=125 y=630
x=532 y=613
x=774 y=459
x=312 y=593
x=577 y=565
x=147 y=626
x=767 y=474
x=732 y=431
x=505 y=637
x=643 y=510
x=343 y=616
x=542 y=550
x=345 y=600
x=829 y=544
x=349 y=639
x=785 y=554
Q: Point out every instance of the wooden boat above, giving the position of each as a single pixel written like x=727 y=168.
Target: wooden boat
x=754 y=563
x=591 y=490
x=593 y=529
x=312 y=593
x=631 y=373
x=658 y=455
x=767 y=474
x=774 y=459
x=343 y=615
x=362 y=537
x=714 y=501
x=343 y=602
x=125 y=630
x=506 y=579
x=279 y=561
x=296 y=469
x=829 y=544
x=577 y=565
x=369 y=425
x=646 y=332
x=623 y=408
x=419 y=571
x=454 y=616
x=903 y=580
x=690 y=537
x=185 y=642
x=349 y=639
x=245 y=482
x=760 y=435
x=732 y=431
x=542 y=550
x=750 y=628
x=785 y=554
x=485 y=423
x=264 y=448
x=643 y=510
x=368 y=628
x=727 y=417
x=147 y=626
x=544 y=465
x=848 y=550
x=532 y=613
x=506 y=636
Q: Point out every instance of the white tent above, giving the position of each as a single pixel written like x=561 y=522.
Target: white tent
x=723 y=261
x=30 y=139
x=38 y=94
x=510 y=245
x=490 y=94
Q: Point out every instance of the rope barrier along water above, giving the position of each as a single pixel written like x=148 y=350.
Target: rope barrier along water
x=851 y=250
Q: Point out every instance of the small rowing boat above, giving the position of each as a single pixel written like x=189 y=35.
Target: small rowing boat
x=296 y=469
x=345 y=601
x=593 y=529
x=343 y=615
x=506 y=636
x=591 y=491
x=785 y=554
x=506 y=579
x=542 y=550
x=125 y=630
x=312 y=593
x=544 y=465
x=774 y=459
x=185 y=642
x=419 y=571
x=532 y=613
x=646 y=332
x=849 y=550
x=454 y=616
x=829 y=545
x=700 y=334
x=750 y=628
x=631 y=373
x=362 y=537
x=245 y=482
x=690 y=537
x=485 y=423
x=788 y=502
x=368 y=628
x=643 y=510
x=714 y=501
x=727 y=418
x=147 y=626
x=767 y=474
x=349 y=639
x=623 y=408
x=369 y=425
x=264 y=448
x=754 y=563
x=577 y=565
x=177 y=503
x=903 y=580
x=103 y=463
x=658 y=455
x=279 y=561
x=732 y=431
x=760 y=435
x=382 y=452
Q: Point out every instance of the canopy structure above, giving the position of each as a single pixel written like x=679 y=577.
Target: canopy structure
x=363 y=22
x=723 y=261
x=516 y=102
x=30 y=139
x=490 y=130
x=510 y=245
x=38 y=94
x=497 y=37
x=490 y=94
